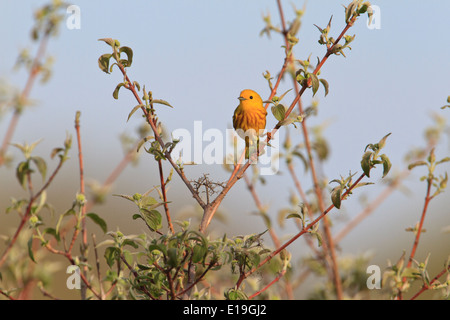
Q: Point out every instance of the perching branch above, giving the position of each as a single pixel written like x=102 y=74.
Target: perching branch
x=212 y=208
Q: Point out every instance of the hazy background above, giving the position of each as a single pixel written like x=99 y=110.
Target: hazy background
x=199 y=55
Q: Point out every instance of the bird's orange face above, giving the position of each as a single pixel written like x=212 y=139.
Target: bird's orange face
x=250 y=98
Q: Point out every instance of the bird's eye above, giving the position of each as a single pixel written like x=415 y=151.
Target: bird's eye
x=251 y=97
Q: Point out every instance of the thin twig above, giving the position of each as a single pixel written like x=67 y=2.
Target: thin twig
x=191 y=285
x=282 y=273
x=82 y=185
x=28 y=212
x=47 y=294
x=302 y=194
x=427 y=286
x=328 y=245
x=158 y=138
x=83 y=206
x=136 y=275
x=97 y=265
x=6 y=295
x=418 y=232
x=258 y=203
x=274 y=237
x=115 y=173
x=304 y=230
x=420 y=227
x=164 y=194
x=69 y=257
x=34 y=71
x=369 y=208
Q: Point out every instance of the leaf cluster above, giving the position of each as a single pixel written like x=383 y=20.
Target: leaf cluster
x=371 y=157
x=439 y=183
x=310 y=79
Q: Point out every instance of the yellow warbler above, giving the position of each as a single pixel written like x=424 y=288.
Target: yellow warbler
x=249 y=119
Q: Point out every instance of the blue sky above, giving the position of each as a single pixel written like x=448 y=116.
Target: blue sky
x=199 y=55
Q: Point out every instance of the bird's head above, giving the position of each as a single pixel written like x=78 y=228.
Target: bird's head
x=250 y=97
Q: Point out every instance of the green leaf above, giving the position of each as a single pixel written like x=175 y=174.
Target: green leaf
x=143 y=267
x=254 y=258
x=363 y=8
x=109 y=41
x=369 y=12
x=160 y=101
x=446 y=159
x=325 y=86
x=336 y=197
x=416 y=164
x=30 y=249
x=149 y=203
x=112 y=66
x=97 y=220
x=111 y=255
x=41 y=165
x=314 y=83
x=103 y=62
x=301 y=157
x=386 y=165
x=199 y=253
x=383 y=141
x=130 y=243
x=294 y=215
x=318 y=236
x=116 y=90
x=55 y=151
x=58 y=224
x=128 y=257
x=282 y=96
x=53 y=232
x=134 y=110
x=158 y=247
x=410 y=273
x=172 y=254
x=349 y=11
x=152 y=218
x=233 y=294
x=366 y=163
x=21 y=172
x=129 y=53
x=124 y=196
x=279 y=112
x=144 y=140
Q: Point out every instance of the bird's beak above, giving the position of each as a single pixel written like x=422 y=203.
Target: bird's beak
x=242 y=98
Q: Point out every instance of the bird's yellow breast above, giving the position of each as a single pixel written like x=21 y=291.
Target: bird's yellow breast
x=250 y=113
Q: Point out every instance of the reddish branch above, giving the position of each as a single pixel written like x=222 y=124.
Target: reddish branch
x=304 y=230
x=211 y=208
x=420 y=227
x=164 y=194
x=426 y=287
x=82 y=188
x=272 y=234
x=69 y=256
x=151 y=122
x=269 y=285
x=34 y=71
x=28 y=212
